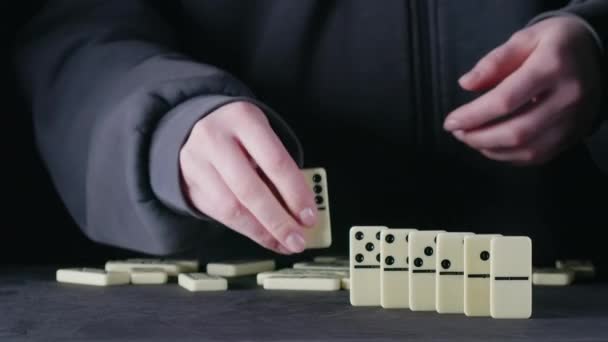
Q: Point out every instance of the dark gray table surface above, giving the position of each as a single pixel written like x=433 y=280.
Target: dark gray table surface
x=35 y=307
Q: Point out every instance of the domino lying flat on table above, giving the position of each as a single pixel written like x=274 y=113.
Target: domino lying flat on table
x=319 y=236
x=303 y=282
x=583 y=269
x=394 y=268
x=91 y=276
x=552 y=277
x=294 y=271
x=148 y=276
x=334 y=266
x=422 y=255
x=202 y=282
x=184 y=265
x=449 y=288
x=239 y=267
x=170 y=267
x=510 y=277
x=365 y=265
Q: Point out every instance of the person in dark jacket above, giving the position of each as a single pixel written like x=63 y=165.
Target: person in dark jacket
x=163 y=123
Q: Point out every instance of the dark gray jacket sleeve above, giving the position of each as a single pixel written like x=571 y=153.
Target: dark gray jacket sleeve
x=594 y=15
x=113 y=101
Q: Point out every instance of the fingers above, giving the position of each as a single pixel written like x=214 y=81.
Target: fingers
x=539 y=151
x=236 y=171
x=515 y=91
x=521 y=129
x=266 y=149
x=216 y=200
x=499 y=63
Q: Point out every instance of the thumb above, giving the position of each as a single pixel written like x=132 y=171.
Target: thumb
x=499 y=63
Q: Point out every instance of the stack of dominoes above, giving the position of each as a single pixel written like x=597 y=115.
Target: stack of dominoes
x=478 y=275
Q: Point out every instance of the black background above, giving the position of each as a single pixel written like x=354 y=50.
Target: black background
x=36 y=228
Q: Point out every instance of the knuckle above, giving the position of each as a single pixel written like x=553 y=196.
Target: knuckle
x=489 y=65
x=243 y=107
x=280 y=163
x=230 y=210
x=516 y=138
x=506 y=103
x=521 y=37
x=249 y=191
x=267 y=240
x=279 y=228
x=185 y=156
x=553 y=64
x=248 y=112
x=205 y=129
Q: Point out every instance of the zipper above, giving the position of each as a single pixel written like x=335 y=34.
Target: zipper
x=420 y=41
x=423 y=102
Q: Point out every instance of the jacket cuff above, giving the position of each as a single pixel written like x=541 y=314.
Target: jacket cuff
x=173 y=131
x=592 y=31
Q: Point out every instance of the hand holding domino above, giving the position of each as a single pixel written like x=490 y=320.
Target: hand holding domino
x=236 y=170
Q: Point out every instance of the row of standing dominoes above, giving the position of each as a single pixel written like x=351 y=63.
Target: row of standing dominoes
x=478 y=275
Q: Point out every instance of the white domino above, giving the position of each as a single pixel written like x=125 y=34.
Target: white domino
x=202 y=282
x=552 y=277
x=345 y=283
x=170 y=267
x=477 y=274
x=583 y=269
x=303 y=282
x=91 y=276
x=327 y=266
x=239 y=267
x=449 y=288
x=148 y=276
x=329 y=258
x=365 y=265
x=421 y=255
x=319 y=236
x=511 y=273
x=184 y=265
x=294 y=271
x=394 y=269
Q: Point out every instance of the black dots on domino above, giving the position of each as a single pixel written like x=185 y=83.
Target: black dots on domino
x=369 y=246
x=389 y=260
x=445 y=263
x=390 y=238
x=318 y=188
x=378 y=236
x=428 y=251
x=418 y=262
x=359 y=235
x=484 y=255
x=359 y=257
x=378 y=257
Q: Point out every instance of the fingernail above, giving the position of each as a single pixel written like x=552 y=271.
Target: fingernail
x=295 y=242
x=451 y=124
x=458 y=134
x=308 y=217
